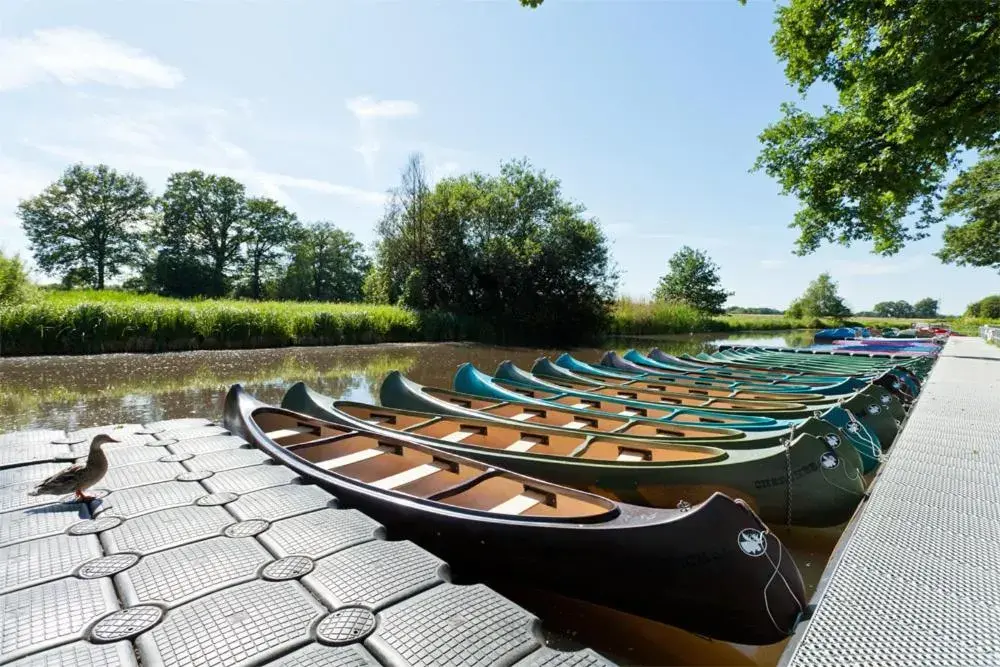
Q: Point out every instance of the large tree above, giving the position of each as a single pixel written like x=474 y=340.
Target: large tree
x=975 y=195
x=926 y=308
x=87 y=224
x=508 y=249
x=205 y=218
x=918 y=83
x=819 y=300
x=270 y=227
x=893 y=309
x=693 y=278
x=328 y=264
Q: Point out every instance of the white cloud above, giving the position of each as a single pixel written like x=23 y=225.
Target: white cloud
x=365 y=107
x=75 y=56
x=444 y=169
x=772 y=263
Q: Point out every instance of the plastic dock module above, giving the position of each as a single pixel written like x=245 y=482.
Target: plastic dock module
x=199 y=550
x=915 y=579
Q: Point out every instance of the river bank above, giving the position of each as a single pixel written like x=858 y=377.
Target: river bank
x=89 y=322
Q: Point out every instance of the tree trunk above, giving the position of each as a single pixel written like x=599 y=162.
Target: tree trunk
x=100 y=273
x=256 y=278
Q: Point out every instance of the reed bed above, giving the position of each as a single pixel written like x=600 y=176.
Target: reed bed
x=91 y=322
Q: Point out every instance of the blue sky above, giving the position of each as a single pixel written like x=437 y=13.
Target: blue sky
x=647 y=111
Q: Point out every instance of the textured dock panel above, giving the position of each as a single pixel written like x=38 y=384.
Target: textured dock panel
x=191 y=432
x=227 y=459
x=257 y=620
x=57 y=612
x=318 y=655
x=17 y=454
x=212 y=443
x=455 y=625
x=374 y=574
x=82 y=654
x=15 y=497
x=35 y=522
x=123 y=456
x=116 y=431
x=320 y=533
x=245 y=480
x=29 y=473
x=167 y=529
x=280 y=502
x=177 y=575
x=37 y=561
x=547 y=657
x=917 y=582
x=150 y=498
x=140 y=474
x=39 y=436
x=177 y=424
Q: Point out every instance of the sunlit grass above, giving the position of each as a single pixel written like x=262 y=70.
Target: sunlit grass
x=85 y=321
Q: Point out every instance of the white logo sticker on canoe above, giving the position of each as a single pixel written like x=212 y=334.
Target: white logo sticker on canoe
x=833 y=440
x=829 y=461
x=874 y=409
x=853 y=427
x=752 y=542
x=885 y=399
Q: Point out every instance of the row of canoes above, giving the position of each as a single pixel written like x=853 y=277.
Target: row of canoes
x=641 y=482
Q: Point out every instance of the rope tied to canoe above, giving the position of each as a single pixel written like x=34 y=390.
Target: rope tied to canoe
x=788 y=479
x=857 y=429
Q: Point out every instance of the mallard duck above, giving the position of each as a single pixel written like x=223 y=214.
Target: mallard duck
x=78 y=477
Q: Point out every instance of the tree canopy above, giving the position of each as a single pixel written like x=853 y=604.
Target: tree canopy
x=506 y=248
x=926 y=308
x=327 y=265
x=819 y=300
x=917 y=84
x=894 y=309
x=975 y=195
x=988 y=307
x=88 y=224
x=692 y=278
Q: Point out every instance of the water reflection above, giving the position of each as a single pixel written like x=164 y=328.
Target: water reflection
x=75 y=392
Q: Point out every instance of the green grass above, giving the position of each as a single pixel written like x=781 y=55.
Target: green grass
x=86 y=322
x=649 y=318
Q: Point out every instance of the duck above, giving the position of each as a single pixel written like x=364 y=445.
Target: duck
x=77 y=478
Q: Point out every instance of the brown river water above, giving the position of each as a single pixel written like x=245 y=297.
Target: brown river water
x=77 y=392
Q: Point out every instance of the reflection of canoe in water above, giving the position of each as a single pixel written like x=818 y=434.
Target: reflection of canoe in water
x=641 y=472
x=713 y=569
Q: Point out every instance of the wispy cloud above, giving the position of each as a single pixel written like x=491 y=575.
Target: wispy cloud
x=365 y=107
x=74 y=56
x=154 y=139
x=772 y=263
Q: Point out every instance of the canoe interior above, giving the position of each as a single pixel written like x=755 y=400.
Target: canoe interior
x=501 y=437
x=622 y=424
x=398 y=466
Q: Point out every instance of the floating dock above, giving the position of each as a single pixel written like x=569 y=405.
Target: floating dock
x=200 y=550
x=915 y=579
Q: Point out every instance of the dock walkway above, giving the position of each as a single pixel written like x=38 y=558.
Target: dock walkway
x=203 y=552
x=915 y=579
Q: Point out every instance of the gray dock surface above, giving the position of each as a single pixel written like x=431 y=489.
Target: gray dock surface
x=915 y=579
x=203 y=552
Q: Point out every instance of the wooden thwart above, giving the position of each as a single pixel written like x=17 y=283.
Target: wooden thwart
x=405 y=477
x=516 y=505
x=288 y=432
x=521 y=446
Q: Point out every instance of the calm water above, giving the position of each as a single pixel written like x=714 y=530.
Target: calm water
x=76 y=392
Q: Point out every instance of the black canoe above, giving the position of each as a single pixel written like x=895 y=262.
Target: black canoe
x=712 y=568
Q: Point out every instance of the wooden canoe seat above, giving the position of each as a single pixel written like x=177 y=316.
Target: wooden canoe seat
x=288 y=432
x=576 y=424
x=516 y=505
x=348 y=459
x=628 y=413
x=581 y=406
x=523 y=416
x=407 y=476
x=521 y=445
